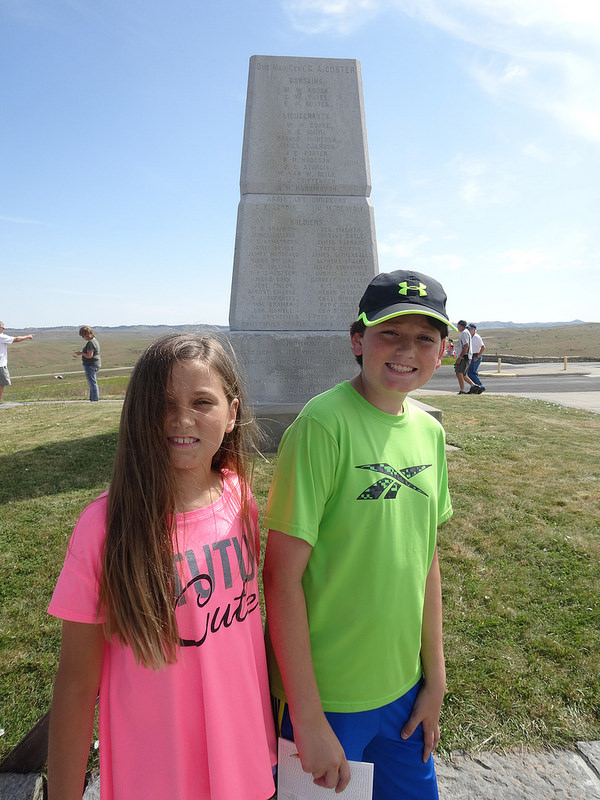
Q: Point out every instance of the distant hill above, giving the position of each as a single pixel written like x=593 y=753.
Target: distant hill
x=497 y=324
x=154 y=331
x=61 y=332
x=569 y=339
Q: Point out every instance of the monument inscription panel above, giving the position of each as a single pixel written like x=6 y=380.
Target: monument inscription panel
x=301 y=263
x=304 y=131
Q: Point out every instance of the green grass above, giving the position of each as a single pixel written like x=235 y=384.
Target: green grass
x=71 y=387
x=54 y=460
x=51 y=352
x=557 y=341
x=520 y=562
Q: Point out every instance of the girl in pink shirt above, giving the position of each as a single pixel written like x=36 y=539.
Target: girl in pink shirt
x=159 y=598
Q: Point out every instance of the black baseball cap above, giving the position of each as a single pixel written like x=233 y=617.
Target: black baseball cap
x=393 y=294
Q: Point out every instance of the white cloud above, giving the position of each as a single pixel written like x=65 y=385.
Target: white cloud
x=21 y=221
x=496 y=78
x=489 y=21
x=330 y=16
x=543 y=54
x=535 y=151
x=482 y=182
x=448 y=261
x=521 y=261
x=401 y=245
x=409 y=215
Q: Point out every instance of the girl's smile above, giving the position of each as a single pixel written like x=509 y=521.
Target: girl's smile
x=182 y=440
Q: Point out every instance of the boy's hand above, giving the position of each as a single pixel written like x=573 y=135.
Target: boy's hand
x=322 y=754
x=426 y=711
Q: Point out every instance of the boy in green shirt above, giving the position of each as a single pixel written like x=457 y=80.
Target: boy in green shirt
x=351 y=576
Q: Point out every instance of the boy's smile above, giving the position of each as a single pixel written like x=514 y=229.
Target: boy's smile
x=400 y=369
x=398 y=356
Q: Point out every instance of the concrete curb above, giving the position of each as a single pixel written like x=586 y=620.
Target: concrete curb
x=21 y=787
x=515 y=775
x=547 y=775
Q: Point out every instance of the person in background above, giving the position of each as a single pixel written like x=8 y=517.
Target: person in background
x=5 y=340
x=90 y=358
x=464 y=351
x=473 y=370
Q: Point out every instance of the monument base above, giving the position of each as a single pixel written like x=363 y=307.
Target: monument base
x=274 y=418
x=296 y=365
x=292 y=366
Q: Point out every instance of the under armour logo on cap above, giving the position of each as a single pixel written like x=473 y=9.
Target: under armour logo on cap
x=421 y=289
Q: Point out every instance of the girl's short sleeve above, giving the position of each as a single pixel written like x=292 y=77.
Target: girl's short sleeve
x=76 y=593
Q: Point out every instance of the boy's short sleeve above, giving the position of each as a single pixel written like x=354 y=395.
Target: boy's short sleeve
x=308 y=459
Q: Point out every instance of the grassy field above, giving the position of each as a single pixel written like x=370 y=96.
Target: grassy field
x=51 y=350
x=34 y=366
x=520 y=562
x=560 y=341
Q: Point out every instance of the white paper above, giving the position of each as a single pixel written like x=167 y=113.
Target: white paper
x=295 y=784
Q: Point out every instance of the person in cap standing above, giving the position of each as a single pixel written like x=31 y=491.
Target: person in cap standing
x=5 y=340
x=351 y=575
x=473 y=370
x=464 y=351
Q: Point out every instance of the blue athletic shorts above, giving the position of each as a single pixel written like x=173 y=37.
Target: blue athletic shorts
x=374 y=736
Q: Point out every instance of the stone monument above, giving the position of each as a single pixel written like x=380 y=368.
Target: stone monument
x=305 y=244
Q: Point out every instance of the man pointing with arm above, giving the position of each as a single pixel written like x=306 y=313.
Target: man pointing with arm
x=5 y=340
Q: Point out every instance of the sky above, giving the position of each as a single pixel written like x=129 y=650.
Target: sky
x=121 y=125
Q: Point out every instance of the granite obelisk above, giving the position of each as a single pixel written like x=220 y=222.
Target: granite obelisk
x=305 y=243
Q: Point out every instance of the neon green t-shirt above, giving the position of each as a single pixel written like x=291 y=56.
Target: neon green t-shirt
x=367 y=491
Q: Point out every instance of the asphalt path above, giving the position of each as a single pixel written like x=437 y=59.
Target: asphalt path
x=577 y=386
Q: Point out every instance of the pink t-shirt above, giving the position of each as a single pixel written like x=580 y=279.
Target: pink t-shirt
x=201 y=728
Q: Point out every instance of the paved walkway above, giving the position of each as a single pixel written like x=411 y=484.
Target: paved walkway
x=552 y=775
x=588 y=401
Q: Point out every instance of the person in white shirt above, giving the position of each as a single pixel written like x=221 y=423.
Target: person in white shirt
x=5 y=340
x=464 y=351
x=473 y=370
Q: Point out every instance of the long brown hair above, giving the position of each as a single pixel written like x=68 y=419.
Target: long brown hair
x=137 y=593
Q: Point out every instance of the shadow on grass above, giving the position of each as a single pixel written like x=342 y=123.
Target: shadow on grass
x=57 y=467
